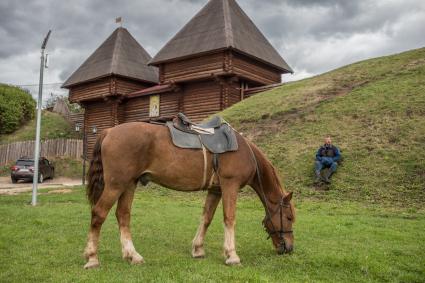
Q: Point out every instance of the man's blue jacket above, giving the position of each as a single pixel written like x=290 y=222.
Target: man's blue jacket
x=328 y=154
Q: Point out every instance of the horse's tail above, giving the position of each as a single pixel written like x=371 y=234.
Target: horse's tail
x=95 y=175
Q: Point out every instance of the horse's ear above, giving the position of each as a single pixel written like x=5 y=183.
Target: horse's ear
x=288 y=197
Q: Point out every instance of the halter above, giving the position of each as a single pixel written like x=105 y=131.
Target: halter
x=269 y=215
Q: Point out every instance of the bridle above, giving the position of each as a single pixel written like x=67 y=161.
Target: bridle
x=274 y=231
x=281 y=232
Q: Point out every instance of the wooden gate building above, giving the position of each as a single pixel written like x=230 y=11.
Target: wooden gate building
x=206 y=67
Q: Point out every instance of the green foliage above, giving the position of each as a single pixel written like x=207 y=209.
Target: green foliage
x=53 y=126
x=16 y=108
x=375 y=112
x=67 y=167
x=334 y=242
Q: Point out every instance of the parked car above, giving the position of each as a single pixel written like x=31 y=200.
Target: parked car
x=24 y=170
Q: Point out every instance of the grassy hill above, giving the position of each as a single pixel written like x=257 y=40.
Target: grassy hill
x=375 y=112
x=53 y=126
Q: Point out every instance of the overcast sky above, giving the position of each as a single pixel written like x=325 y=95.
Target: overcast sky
x=313 y=36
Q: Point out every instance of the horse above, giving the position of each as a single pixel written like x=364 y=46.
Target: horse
x=143 y=152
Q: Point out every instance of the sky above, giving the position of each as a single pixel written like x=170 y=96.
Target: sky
x=313 y=36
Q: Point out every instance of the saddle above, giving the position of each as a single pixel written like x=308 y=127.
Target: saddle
x=215 y=135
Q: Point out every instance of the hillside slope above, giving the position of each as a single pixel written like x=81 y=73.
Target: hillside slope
x=53 y=126
x=375 y=112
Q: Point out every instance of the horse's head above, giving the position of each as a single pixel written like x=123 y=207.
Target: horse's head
x=278 y=224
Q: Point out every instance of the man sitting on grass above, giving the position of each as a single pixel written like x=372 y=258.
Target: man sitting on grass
x=326 y=157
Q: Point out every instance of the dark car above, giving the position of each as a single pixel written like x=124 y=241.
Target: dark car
x=24 y=170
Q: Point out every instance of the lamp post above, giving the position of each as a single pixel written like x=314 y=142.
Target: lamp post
x=37 y=132
x=78 y=129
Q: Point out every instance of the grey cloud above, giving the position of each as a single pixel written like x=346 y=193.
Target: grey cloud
x=312 y=35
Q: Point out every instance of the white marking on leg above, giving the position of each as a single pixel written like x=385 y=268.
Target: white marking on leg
x=229 y=245
x=90 y=252
x=128 y=251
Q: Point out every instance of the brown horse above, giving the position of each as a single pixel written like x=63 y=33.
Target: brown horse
x=133 y=152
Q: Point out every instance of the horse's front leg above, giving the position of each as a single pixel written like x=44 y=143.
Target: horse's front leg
x=211 y=202
x=229 y=194
x=123 y=214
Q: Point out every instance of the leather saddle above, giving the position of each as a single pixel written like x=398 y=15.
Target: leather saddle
x=215 y=135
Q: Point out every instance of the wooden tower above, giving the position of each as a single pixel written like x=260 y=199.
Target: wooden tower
x=211 y=61
x=99 y=85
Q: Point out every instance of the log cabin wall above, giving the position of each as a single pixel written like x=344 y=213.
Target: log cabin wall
x=192 y=68
x=202 y=99
x=255 y=70
x=233 y=92
x=101 y=115
x=124 y=86
x=169 y=103
x=90 y=90
x=136 y=109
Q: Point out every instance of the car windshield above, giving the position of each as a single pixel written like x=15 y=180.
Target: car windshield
x=25 y=163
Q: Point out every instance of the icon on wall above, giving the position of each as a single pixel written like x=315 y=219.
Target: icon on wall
x=154 y=106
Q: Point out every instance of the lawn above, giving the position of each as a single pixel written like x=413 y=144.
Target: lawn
x=335 y=242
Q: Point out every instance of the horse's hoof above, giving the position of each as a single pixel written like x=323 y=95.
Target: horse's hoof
x=135 y=259
x=198 y=253
x=233 y=261
x=92 y=264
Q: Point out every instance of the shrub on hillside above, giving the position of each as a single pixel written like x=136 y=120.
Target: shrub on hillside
x=16 y=108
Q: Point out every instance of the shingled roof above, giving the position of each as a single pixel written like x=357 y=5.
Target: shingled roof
x=120 y=54
x=221 y=24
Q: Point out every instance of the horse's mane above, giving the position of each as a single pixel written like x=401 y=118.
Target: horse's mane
x=266 y=165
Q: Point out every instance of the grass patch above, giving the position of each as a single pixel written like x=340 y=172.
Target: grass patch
x=53 y=126
x=335 y=241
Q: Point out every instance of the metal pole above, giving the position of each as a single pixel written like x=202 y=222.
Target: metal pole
x=37 y=132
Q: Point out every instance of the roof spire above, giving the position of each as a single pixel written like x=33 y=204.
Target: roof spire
x=120 y=54
x=119 y=21
x=219 y=25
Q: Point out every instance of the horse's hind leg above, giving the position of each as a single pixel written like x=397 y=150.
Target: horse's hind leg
x=99 y=213
x=213 y=198
x=123 y=216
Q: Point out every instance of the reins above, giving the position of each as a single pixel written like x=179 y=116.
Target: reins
x=269 y=215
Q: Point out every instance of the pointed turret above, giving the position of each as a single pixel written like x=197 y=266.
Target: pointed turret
x=221 y=25
x=121 y=55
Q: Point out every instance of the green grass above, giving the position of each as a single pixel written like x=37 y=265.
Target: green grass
x=53 y=126
x=375 y=112
x=335 y=242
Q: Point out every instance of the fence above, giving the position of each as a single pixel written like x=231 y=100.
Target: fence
x=49 y=148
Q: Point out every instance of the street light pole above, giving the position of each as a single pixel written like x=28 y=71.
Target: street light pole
x=37 y=133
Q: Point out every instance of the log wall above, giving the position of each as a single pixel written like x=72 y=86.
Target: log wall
x=254 y=70
x=233 y=93
x=90 y=91
x=124 y=86
x=202 y=99
x=101 y=115
x=192 y=68
x=136 y=109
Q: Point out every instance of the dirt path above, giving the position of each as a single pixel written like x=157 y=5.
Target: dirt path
x=7 y=188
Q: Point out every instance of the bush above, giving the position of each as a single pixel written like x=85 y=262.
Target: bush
x=16 y=108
